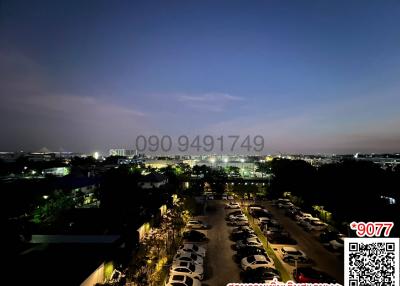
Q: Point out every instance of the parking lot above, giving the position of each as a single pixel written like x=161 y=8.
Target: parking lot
x=220 y=267
x=321 y=257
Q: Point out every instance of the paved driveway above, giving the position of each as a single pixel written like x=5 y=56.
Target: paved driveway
x=220 y=268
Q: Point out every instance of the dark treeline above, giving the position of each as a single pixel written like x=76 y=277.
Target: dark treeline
x=351 y=190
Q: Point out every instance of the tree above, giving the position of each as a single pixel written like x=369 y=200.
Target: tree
x=264 y=167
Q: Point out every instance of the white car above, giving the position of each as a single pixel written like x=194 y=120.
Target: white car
x=187 y=268
x=241 y=229
x=316 y=225
x=270 y=223
x=263 y=220
x=255 y=209
x=239 y=223
x=272 y=230
x=192 y=248
x=305 y=222
x=254 y=241
x=238 y=217
x=232 y=205
x=292 y=254
x=196 y=224
x=182 y=280
x=303 y=216
x=189 y=257
x=256 y=261
x=337 y=244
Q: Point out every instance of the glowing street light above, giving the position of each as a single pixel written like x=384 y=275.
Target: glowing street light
x=96 y=155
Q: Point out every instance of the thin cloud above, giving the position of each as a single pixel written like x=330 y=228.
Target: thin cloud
x=215 y=102
x=209 y=97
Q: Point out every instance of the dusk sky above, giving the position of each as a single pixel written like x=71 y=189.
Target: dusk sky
x=310 y=76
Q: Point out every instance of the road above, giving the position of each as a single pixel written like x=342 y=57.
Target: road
x=322 y=257
x=220 y=268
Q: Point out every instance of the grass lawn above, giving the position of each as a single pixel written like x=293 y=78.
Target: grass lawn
x=278 y=265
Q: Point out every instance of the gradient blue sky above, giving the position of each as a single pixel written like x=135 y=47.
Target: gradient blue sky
x=310 y=76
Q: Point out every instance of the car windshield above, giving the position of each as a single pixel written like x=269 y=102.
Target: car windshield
x=178 y=277
x=193 y=256
x=192 y=267
x=294 y=252
x=189 y=281
x=195 y=247
x=309 y=272
x=251 y=259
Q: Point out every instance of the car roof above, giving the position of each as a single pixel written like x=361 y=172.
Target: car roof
x=178 y=278
x=260 y=257
x=182 y=264
x=289 y=249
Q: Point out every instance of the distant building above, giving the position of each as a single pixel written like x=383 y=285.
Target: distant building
x=122 y=152
x=153 y=180
x=117 y=152
x=57 y=171
x=158 y=164
x=8 y=157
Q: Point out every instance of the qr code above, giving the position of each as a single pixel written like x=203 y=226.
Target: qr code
x=372 y=262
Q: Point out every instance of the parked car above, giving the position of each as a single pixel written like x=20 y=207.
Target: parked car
x=243 y=235
x=260 y=213
x=256 y=261
x=232 y=205
x=271 y=230
x=196 y=224
x=281 y=238
x=284 y=203
x=248 y=242
x=292 y=212
x=238 y=222
x=224 y=196
x=233 y=213
x=249 y=250
x=327 y=236
x=263 y=220
x=190 y=247
x=231 y=198
x=194 y=236
x=305 y=222
x=270 y=223
x=311 y=275
x=254 y=206
x=187 y=268
x=291 y=254
x=337 y=244
x=182 y=280
x=260 y=275
x=301 y=216
x=241 y=228
x=189 y=257
x=316 y=225
x=238 y=217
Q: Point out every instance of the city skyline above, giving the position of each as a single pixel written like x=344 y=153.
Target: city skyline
x=309 y=76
